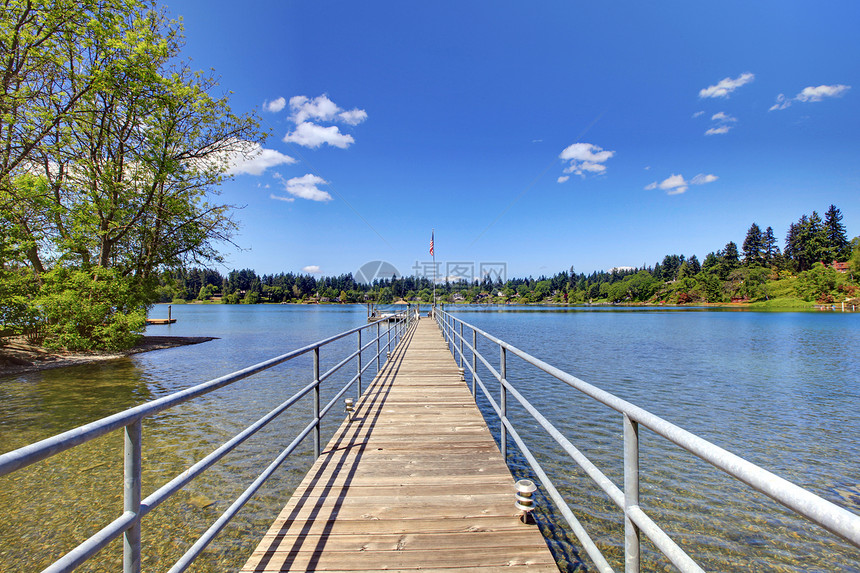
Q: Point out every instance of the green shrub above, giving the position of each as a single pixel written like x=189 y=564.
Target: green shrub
x=88 y=310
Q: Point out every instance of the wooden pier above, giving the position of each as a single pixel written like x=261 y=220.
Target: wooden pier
x=413 y=481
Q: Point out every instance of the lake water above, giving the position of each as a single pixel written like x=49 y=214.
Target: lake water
x=780 y=389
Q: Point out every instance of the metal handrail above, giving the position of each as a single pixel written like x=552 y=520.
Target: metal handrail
x=829 y=516
x=128 y=524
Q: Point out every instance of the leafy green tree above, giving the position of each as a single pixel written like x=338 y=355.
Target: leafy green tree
x=112 y=148
x=84 y=310
x=854 y=261
x=818 y=283
x=46 y=69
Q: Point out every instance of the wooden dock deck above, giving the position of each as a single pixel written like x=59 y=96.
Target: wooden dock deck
x=414 y=481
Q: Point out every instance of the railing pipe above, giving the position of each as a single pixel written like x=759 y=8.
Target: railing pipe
x=377 y=345
x=631 y=494
x=503 y=402
x=157 y=497
x=474 y=364
x=132 y=478
x=546 y=483
x=316 y=403
x=461 y=345
x=358 y=394
x=204 y=540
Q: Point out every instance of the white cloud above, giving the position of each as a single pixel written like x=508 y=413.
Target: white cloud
x=726 y=86
x=699 y=113
x=676 y=184
x=275 y=106
x=312 y=269
x=313 y=135
x=723 y=129
x=723 y=116
x=304 y=187
x=321 y=108
x=723 y=123
x=353 y=117
x=701 y=179
x=810 y=94
x=281 y=198
x=585 y=158
x=254 y=159
x=563 y=178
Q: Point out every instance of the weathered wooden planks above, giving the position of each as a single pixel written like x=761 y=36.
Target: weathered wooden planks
x=414 y=481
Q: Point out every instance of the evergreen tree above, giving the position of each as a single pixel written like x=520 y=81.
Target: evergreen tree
x=753 y=246
x=730 y=256
x=771 y=250
x=839 y=248
x=695 y=266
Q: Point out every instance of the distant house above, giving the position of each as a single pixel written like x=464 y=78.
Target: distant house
x=839 y=267
x=457 y=297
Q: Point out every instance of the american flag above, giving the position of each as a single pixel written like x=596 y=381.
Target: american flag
x=431 y=244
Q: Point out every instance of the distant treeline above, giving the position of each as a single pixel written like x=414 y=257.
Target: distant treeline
x=758 y=270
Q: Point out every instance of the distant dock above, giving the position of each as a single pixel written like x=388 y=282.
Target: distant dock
x=168 y=320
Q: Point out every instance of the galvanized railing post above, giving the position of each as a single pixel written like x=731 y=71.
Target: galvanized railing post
x=317 y=447
x=631 y=494
x=132 y=470
x=461 y=345
x=359 y=364
x=503 y=400
x=388 y=334
x=475 y=364
x=378 y=335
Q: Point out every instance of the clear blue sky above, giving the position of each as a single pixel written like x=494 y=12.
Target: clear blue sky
x=539 y=134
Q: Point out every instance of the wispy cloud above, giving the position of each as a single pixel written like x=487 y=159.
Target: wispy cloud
x=584 y=158
x=563 y=178
x=726 y=86
x=698 y=114
x=676 y=184
x=312 y=135
x=304 y=187
x=721 y=130
x=311 y=269
x=723 y=123
x=723 y=116
x=810 y=94
x=275 y=106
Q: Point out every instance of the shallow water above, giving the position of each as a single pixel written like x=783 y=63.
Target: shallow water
x=780 y=389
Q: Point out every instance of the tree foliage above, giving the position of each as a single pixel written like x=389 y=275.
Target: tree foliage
x=113 y=149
